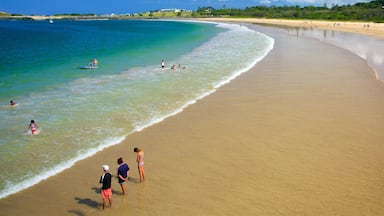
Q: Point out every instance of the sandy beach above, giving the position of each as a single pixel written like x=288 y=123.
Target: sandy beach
x=301 y=133
x=366 y=28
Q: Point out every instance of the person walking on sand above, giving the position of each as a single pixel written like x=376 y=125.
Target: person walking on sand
x=106 y=189
x=32 y=127
x=140 y=162
x=122 y=173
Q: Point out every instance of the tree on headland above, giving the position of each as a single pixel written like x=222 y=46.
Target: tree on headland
x=364 y=11
x=3 y=13
x=368 y=11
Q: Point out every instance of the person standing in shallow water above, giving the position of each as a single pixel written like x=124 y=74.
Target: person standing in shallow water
x=162 y=64
x=140 y=163
x=122 y=173
x=33 y=127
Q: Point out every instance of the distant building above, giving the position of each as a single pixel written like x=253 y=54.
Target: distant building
x=175 y=10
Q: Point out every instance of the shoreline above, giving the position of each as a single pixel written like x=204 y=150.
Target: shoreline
x=369 y=50
x=366 y=28
x=204 y=146
x=69 y=163
x=374 y=29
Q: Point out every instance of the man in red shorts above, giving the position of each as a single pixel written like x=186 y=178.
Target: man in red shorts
x=106 y=190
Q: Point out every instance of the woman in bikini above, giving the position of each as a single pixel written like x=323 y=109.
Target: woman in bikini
x=140 y=163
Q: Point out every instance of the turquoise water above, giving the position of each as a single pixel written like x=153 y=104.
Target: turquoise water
x=80 y=112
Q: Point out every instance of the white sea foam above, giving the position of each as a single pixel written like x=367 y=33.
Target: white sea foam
x=14 y=188
x=227 y=79
x=146 y=96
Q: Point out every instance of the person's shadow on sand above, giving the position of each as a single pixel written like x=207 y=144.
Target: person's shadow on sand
x=88 y=202
x=77 y=212
x=132 y=179
x=98 y=190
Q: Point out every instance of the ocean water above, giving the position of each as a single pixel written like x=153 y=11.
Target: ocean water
x=80 y=112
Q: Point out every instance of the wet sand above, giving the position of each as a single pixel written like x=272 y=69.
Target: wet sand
x=301 y=133
x=366 y=28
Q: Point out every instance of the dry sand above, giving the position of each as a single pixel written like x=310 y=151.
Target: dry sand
x=367 y=28
x=301 y=133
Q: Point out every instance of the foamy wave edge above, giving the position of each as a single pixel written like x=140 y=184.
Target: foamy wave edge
x=15 y=188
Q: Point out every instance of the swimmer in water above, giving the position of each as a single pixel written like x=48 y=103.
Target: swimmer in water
x=12 y=103
x=33 y=127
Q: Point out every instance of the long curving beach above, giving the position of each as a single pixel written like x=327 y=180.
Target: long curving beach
x=301 y=133
x=366 y=28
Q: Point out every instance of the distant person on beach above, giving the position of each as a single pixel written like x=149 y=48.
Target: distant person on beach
x=173 y=67
x=162 y=64
x=32 y=127
x=106 y=189
x=12 y=103
x=140 y=163
x=95 y=62
x=122 y=173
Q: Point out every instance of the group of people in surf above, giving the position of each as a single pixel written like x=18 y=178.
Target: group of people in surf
x=173 y=67
x=122 y=176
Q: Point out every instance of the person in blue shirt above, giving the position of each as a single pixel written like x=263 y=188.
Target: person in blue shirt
x=122 y=173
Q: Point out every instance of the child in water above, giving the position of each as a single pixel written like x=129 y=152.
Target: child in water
x=12 y=103
x=33 y=127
